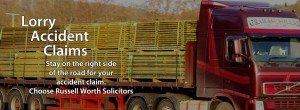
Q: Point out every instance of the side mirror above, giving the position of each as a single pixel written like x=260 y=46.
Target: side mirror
x=237 y=51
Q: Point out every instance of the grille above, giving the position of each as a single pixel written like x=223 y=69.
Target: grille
x=281 y=88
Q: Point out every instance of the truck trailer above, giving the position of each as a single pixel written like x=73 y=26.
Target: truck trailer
x=236 y=56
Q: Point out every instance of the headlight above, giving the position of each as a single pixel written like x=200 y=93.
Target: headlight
x=259 y=105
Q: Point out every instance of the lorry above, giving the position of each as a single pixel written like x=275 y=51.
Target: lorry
x=237 y=56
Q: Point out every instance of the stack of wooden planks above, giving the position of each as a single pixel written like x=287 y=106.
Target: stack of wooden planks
x=32 y=65
x=143 y=51
x=20 y=57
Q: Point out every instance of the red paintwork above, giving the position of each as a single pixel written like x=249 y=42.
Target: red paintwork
x=190 y=55
x=223 y=73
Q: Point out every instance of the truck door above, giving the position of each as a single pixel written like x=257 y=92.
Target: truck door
x=236 y=65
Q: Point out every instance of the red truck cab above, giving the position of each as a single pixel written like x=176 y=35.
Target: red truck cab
x=248 y=54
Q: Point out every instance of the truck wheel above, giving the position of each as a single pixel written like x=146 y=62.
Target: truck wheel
x=15 y=101
x=224 y=106
x=165 y=104
x=1 y=102
x=35 y=102
x=137 y=104
x=214 y=104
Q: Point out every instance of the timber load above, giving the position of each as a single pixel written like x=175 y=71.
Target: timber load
x=143 y=51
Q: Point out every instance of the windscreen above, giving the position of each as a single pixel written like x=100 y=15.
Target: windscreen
x=276 y=48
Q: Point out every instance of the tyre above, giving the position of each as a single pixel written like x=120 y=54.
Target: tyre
x=15 y=101
x=214 y=104
x=224 y=106
x=137 y=104
x=35 y=102
x=165 y=104
x=1 y=102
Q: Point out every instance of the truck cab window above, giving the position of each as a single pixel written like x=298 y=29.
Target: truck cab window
x=244 y=47
x=229 y=49
x=282 y=50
